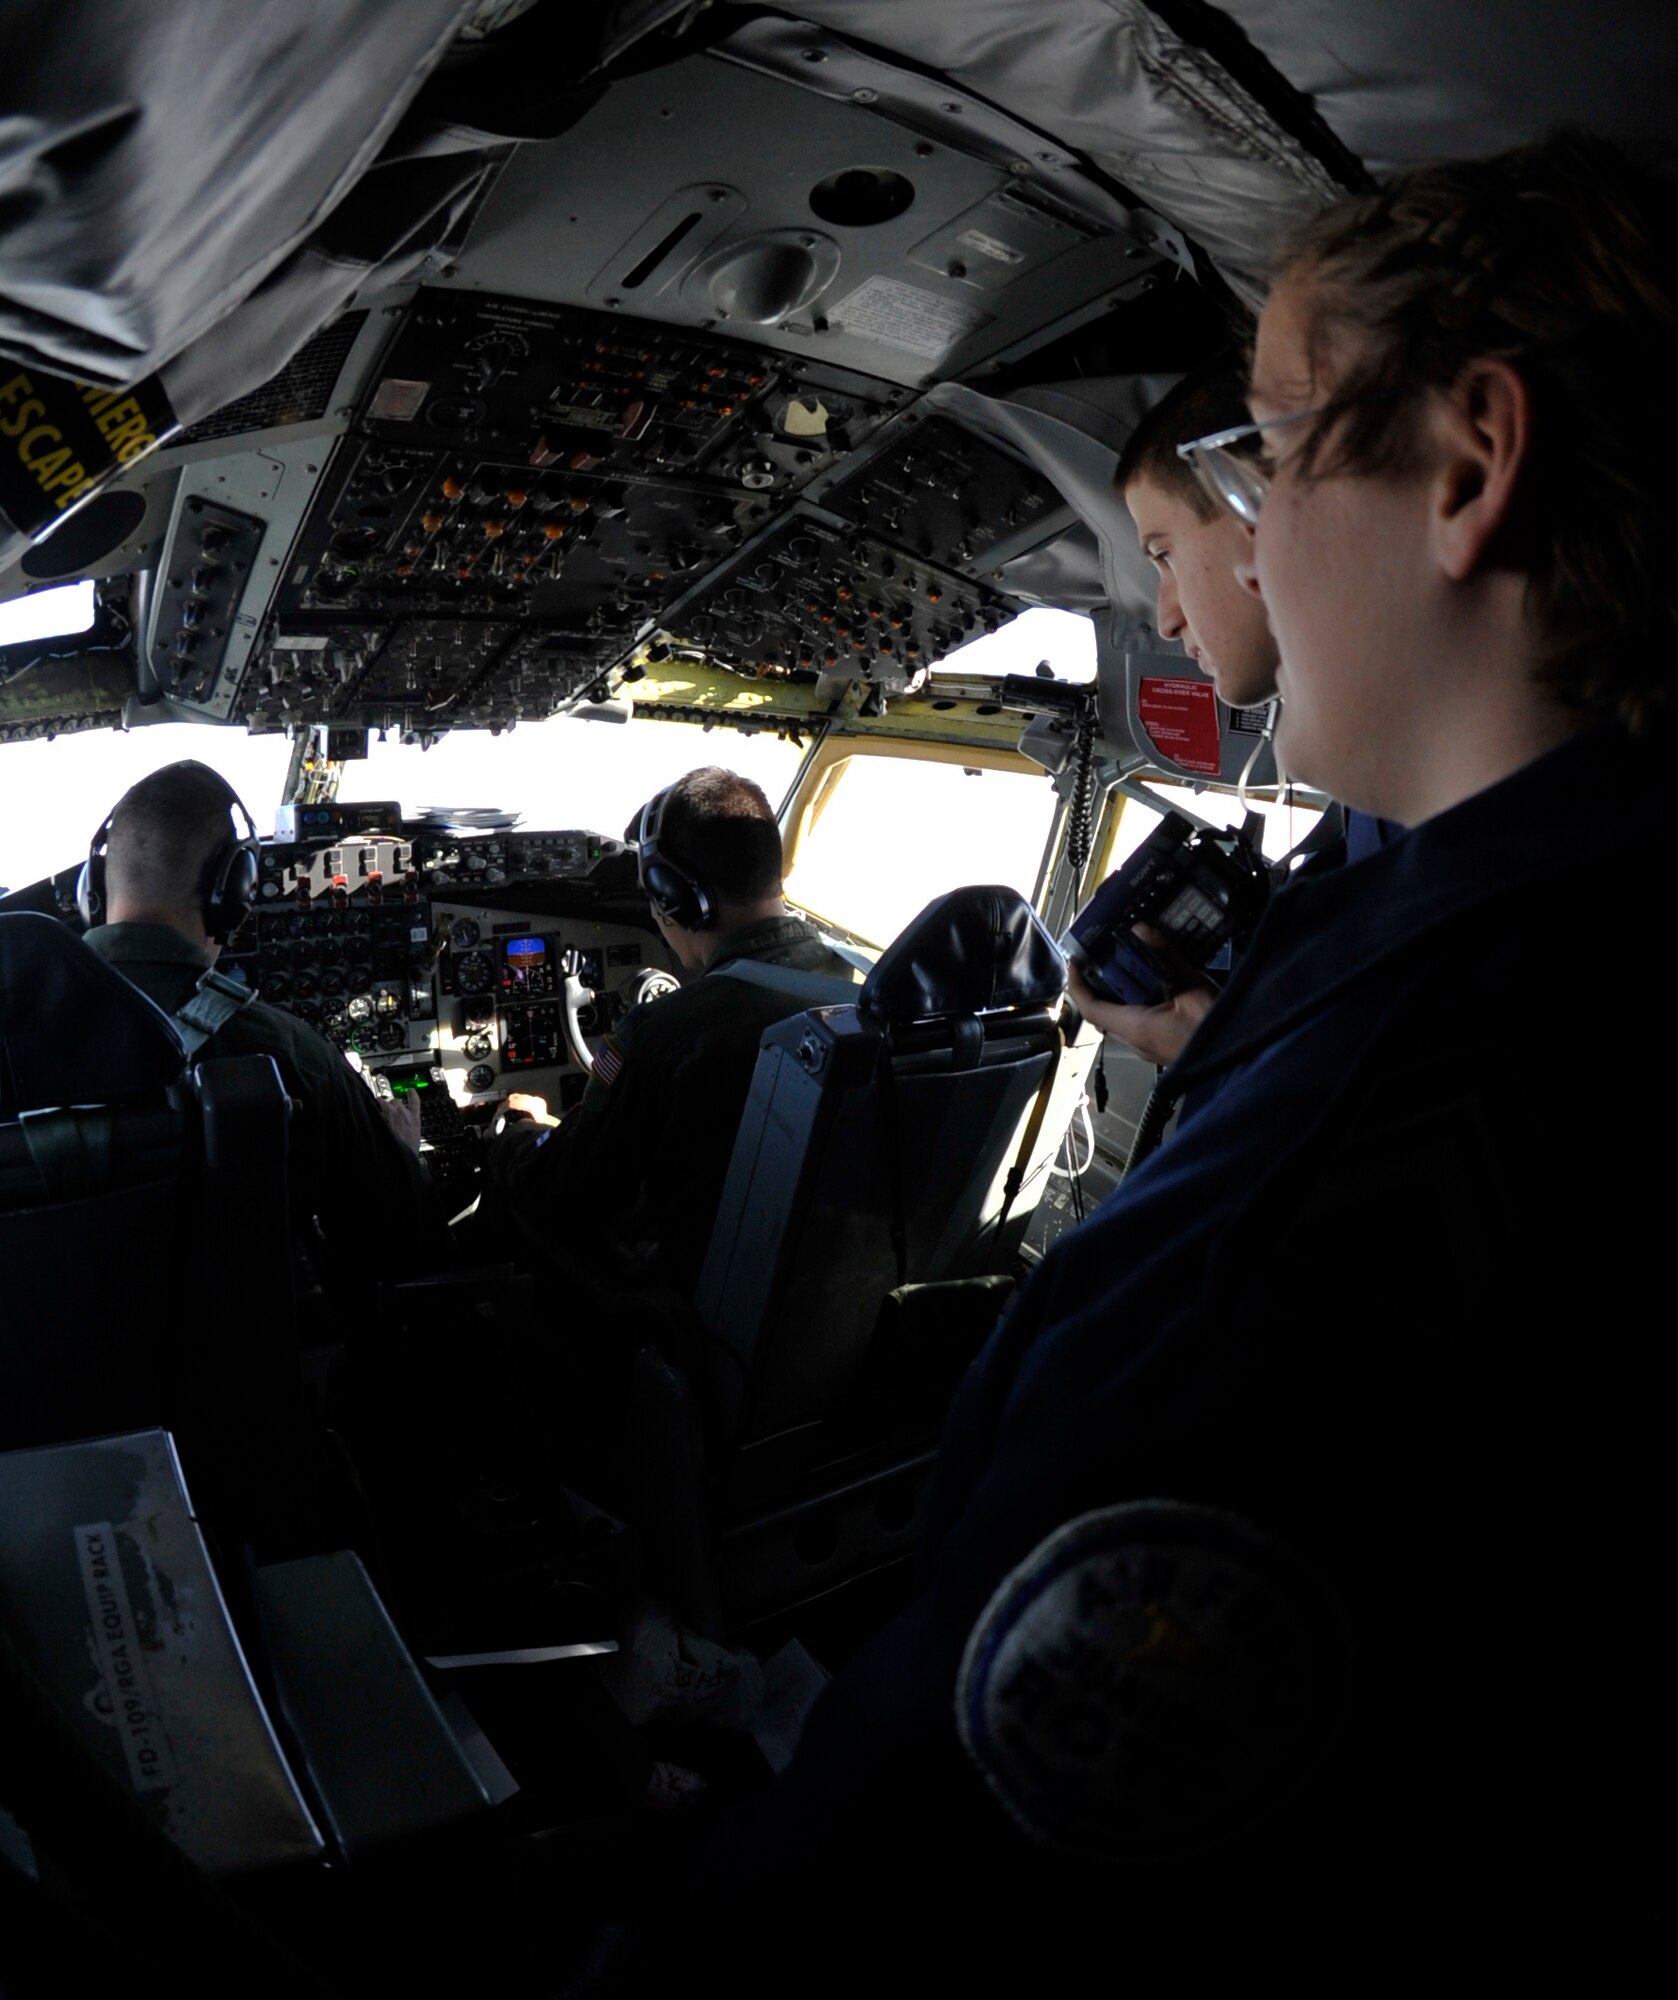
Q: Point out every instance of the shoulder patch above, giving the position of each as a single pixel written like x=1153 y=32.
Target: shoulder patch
x=1149 y=1680
x=608 y=1060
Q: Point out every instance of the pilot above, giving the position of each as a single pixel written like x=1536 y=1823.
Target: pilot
x=649 y=1143
x=1196 y=547
x=169 y=879
x=1289 y=1590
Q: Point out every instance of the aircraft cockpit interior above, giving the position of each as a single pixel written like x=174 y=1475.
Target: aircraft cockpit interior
x=698 y=384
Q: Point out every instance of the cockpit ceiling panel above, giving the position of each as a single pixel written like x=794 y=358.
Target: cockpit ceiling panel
x=1112 y=84
x=1233 y=121
x=707 y=196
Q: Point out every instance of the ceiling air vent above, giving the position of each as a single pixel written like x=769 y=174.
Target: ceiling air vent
x=299 y=394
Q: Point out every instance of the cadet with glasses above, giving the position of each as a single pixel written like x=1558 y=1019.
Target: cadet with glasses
x=1288 y=1570
x=1195 y=544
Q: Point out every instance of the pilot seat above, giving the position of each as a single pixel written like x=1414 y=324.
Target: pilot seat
x=142 y=1231
x=889 y=1161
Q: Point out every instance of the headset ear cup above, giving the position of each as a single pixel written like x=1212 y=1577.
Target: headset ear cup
x=232 y=889
x=241 y=890
x=673 y=892
x=90 y=885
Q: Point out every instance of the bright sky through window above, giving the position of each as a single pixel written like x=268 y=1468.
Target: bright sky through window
x=47 y=614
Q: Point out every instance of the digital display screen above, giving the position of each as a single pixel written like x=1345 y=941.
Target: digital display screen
x=527 y=947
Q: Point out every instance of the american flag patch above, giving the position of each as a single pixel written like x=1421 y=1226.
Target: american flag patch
x=608 y=1060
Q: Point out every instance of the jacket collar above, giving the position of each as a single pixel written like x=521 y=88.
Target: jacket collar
x=145 y=944
x=753 y=940
x=1580 y=805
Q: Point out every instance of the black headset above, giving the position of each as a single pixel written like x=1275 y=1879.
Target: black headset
x=226 y=888
x=674 y=891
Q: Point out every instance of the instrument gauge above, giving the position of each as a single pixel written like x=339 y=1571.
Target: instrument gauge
x=480 y=1077
x=473 y=972
x=359 y=1007
x=477 y=1047
x=463 y=934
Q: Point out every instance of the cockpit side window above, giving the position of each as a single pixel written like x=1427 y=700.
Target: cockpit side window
x=886 y=833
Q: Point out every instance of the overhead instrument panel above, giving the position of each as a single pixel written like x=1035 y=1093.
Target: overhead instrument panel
x=529 y=491
x=933 y=490
x=814 y=597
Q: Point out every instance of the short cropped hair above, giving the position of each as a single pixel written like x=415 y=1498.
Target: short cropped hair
x=1213 y=398
x=721 y=827
x=164 y=831
x=1560 y=259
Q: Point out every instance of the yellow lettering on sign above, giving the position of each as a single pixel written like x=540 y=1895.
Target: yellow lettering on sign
x=26 y=443
x=18 y=420
x=121 y=417
x=121 y=420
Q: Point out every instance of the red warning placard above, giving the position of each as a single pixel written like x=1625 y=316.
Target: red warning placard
x=1181 y=718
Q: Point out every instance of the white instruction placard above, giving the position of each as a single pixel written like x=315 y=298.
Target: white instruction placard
x=116 y=1641
x=907 y=315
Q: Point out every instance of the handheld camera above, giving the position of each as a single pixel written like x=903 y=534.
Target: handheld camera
x=1202 y=887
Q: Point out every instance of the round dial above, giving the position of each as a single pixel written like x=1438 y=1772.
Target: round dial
x=473 y=972
x=393 y=1035
x=463 y=934
x=386 y=1000
x=477 y=1047
x=480 y=1077
x=359 y=1007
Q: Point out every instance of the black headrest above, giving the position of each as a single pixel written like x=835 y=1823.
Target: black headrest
x=973 y=951
x=72 y=1031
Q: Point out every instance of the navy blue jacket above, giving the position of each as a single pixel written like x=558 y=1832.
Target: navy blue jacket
x=1380 y=1298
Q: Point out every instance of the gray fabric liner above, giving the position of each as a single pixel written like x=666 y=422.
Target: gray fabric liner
x=1434 y=79
x=158 y=162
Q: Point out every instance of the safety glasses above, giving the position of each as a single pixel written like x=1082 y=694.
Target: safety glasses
x=1237 y=481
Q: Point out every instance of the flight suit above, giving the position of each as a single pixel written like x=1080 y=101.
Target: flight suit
x=1377 y=1307
x=344 y=1162
x=644 y=1154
